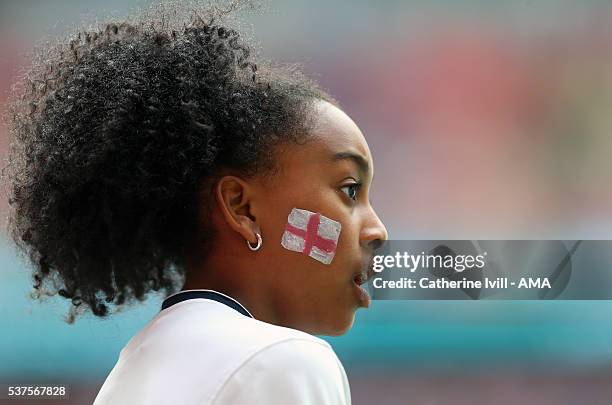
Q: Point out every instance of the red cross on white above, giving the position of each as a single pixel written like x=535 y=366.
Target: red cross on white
x=312 y=234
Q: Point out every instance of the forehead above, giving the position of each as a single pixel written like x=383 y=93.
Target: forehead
x=332 y=133
x=335 y=132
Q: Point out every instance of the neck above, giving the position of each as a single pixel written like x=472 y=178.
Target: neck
x=233 y=280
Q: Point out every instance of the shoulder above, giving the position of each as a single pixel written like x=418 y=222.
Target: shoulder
x=295 y=370
x=198 y=350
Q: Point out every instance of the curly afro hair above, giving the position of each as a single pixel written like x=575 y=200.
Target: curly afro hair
x=117 y=136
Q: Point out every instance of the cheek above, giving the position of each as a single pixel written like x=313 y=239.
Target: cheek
x=349 y=255
x=311 y=234
x=350 y=229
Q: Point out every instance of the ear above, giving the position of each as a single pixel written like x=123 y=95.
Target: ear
x=233 y=196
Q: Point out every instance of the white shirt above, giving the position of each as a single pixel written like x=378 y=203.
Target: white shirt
x=204 y=348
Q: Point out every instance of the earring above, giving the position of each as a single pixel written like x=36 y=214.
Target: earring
x=259 y=242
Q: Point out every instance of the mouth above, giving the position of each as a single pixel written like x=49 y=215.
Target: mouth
x=363 y=276
x=359 y=279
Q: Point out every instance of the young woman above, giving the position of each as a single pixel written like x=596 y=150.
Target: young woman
x=148 y=157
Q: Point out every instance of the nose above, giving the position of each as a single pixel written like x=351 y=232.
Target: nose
x=373 y=232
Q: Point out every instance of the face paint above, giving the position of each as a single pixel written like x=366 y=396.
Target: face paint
x=312 y=234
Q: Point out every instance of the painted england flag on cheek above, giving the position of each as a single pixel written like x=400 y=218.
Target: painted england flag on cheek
x=312 y=234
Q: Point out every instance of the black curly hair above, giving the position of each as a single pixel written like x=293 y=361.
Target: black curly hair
x=117 y=136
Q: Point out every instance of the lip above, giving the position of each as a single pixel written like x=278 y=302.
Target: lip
x=365 y=272
x=360 y=278
x=362 y=295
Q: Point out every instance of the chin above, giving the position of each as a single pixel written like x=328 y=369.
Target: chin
x=341 y=327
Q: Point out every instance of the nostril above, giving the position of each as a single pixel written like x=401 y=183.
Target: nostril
x=376 y=243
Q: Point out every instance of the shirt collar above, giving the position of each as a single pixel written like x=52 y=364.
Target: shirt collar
x=185 y=295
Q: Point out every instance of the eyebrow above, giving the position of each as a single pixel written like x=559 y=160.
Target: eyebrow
x=358 y=159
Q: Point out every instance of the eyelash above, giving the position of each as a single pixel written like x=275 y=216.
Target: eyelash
x=357 y=187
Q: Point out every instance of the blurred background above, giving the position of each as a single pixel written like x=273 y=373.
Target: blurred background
x=486 y=119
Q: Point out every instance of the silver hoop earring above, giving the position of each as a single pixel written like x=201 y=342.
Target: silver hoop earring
x=259 y=243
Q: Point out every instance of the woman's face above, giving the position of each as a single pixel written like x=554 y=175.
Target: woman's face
x=330 y=175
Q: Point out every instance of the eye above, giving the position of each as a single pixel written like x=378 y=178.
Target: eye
x=351 y=190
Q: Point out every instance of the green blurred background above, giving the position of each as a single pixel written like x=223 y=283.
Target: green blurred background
x=486 y=119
